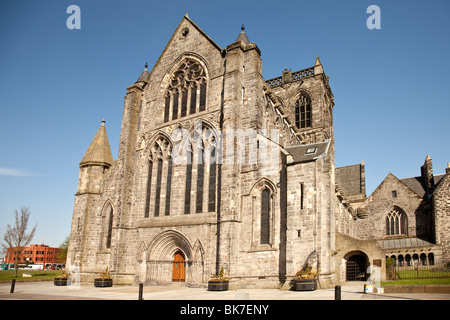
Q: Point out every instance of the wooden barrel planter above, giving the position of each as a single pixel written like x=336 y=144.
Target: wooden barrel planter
x=217 y=285
x=102 y=282
x=305 y=285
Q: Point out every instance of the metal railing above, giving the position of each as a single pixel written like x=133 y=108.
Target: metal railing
x=419 y=271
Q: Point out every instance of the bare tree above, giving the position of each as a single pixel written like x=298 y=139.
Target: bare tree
x=16 y=236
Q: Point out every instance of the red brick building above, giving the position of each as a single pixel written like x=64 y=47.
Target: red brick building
x=35 y=253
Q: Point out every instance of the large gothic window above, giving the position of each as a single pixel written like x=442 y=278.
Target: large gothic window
x=168 y=186
x=261 y=214
x=303 y=112
x=201 y=170
x=396 y=222
x=200 y=177
x=149 y=189
x=187 y=189
x=158 y=187
x=212 y=180
x=159 y=179
x=186 y=93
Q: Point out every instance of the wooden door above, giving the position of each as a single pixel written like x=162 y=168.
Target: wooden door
x=178 y=270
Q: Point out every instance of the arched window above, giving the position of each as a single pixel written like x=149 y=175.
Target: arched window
x=200 y=178
x=265 y=217
x=186 y=93
x=400 y=260
x=396 y=222
x=168 y=186
x=303 y=114
x=201 y=170
x=149 y=188
x=431 y=259
x=187 y=192
x=107 y=225
x=160 y=163
x=423 y=259
x=212 y=180
x=158 y=186
x=167 y=107
x=110 y=225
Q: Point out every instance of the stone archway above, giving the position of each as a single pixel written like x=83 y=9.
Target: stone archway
x=356 y=266
x=168 y=250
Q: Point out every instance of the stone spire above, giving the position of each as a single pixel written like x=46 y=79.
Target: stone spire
x=318 y=68
x=242 y=36
x=99 y=151
x=144 y=75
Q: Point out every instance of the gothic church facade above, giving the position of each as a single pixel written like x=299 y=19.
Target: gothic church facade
x=218 y=167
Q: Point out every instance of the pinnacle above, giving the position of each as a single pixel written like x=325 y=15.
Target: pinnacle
x=99 y=151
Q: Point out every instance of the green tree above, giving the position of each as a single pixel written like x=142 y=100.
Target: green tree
x=62 y=255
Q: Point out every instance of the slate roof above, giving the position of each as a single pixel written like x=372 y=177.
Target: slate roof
x=403 y=243
x=349 y=179
x=416 y=184
x=299 y=153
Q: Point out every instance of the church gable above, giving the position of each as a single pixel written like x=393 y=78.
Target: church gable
x=392 y=191
x=391 y=201
x=190 y=62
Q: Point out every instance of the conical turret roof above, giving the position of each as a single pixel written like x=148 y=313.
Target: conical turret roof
x=243 y=37
x=144 y=75
x=99 y=151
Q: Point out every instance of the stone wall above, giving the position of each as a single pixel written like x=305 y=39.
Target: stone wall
x=441 y=215
x=390 y=194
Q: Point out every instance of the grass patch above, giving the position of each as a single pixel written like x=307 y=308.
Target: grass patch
x=7 y=275
x=408 y=282
x=406 y=274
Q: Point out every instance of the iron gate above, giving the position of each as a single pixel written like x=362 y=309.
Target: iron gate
x=356 y=268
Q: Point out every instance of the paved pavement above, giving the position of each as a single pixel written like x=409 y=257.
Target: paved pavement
x=47 y=291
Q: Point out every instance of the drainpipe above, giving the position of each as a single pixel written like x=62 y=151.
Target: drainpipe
x=219 y=165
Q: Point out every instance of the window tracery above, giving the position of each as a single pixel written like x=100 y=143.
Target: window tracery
x=186 y=93
x=202 y=156
x=396 y=222
x=160 y=164
x=303 y=114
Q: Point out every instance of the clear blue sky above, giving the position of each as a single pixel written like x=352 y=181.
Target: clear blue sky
x=56 y=85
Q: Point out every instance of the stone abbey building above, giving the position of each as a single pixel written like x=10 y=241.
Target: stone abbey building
x=220 y=167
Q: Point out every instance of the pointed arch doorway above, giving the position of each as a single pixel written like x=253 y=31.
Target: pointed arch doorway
x=178 y=267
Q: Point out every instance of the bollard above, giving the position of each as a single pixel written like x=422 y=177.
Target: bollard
x=13 y=284
x=141 y=288
x=337 y=293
